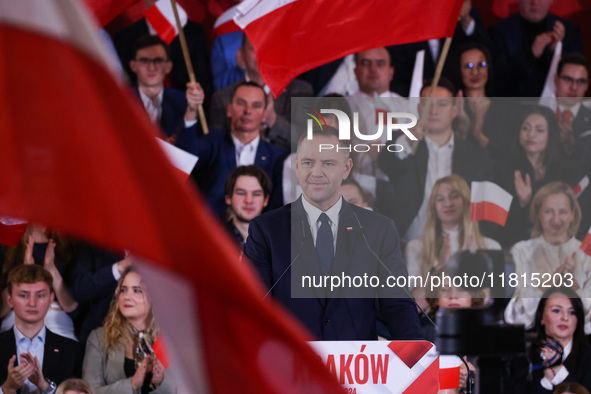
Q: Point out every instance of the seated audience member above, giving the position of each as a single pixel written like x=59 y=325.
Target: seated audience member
x=220 y=152
x=560 y=353
x=571 y=82
x=536 y=158
x=247 y=194
x=523 y=46
x=175 y=111
x=75 y=386
x=353 y=193
x=374 y=71
x=438 y=154
x=570 y=388
x=33 y=359
x=58 y=256
x=95 y=280
x=275 y=125
x=118 y=355
x=469 y=28
x=198 y=50
x=227 y=64
x=447 y=231
x=552 y=252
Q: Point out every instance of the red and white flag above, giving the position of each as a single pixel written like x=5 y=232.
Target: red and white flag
x=581 y=186
x=586 y=244
x=489 y=202
x=160 y=17
x=106 y=10
x=449 y=372
x=87 y=165
x=182 y=160
x=11 y=230
x=225 y=23
x=293 y=36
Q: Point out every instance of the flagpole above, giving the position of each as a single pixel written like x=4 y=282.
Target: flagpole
x=188 y=63
x=414 y=144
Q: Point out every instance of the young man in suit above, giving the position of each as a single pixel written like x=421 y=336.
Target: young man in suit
x=321 y=234
x=220 y=152
x=175 y=111
x=32 y=358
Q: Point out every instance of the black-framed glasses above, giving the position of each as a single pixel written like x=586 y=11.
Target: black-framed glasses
x=475 y=66
x=157 y=61
x=578 y=82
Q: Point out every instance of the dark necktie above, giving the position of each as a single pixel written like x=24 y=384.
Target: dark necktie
x=325 y=243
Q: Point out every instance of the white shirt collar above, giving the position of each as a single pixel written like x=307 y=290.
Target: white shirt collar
x=314 y=213
x=574 y=109
x=19 y=336
x=387 y=93
x=157 y=101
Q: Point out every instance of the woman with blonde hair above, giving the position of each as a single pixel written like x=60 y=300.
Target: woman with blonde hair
x=552 y=256
x=119 y=356
x=448 y=230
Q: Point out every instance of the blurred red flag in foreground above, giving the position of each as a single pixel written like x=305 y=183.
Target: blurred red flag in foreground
x=78 y=155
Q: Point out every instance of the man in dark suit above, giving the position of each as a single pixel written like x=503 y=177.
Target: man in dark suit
x=438 y=154
x=571 y=82
x=175 y=111
x=221 y=152
x=523 y=45
x=33 y=358
x=277 y=128
x=321 y=235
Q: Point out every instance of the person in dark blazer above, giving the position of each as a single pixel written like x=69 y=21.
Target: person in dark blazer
x=412 y=174
x=175 y=111
x=220 y=152
x=21 y=349
x=287 y=246
x=523 y=46
x=277 y=120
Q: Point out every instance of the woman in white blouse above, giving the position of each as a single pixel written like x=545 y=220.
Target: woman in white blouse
x=552 y=255
x=447 y=231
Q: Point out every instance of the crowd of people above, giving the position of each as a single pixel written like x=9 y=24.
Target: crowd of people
x=69 y=309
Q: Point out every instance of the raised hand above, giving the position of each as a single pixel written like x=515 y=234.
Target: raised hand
x=16 y=375
x=523 y=188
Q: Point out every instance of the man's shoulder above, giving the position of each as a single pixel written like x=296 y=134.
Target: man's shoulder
x=275 y=152
x=56 y=340
x=368 y=217
x=274 y=217
x=7 y=336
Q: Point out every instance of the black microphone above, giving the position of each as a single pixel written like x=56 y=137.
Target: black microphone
x=408 y=293
x=292 y=261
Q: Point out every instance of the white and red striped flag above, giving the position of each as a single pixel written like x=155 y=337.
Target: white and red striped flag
x=293 y=36
x=449 y=372
x=225 y=23
x=87 y=165
x=489 y=202
x=183 y=161
x=161 y=17
x=581 y=186
x=586 y=244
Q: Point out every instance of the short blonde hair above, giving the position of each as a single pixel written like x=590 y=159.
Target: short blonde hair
x=541 y=196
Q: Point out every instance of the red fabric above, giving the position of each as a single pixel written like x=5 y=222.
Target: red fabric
x=11 y=234
x=427 y=382
x=449 y=378
x=164 y=28
x=79 y=156
x=308 y=33
x=486 y=210
x=106 y=10
x=161 y=351
x=504 y=8
x=227 y=27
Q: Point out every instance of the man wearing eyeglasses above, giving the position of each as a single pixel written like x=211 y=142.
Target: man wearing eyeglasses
x=175 y=111
x=572 y=81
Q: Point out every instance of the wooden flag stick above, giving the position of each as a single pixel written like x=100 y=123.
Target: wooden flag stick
x=188 y=63
x=434 y=83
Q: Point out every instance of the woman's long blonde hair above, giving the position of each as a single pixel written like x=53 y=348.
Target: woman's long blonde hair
x=117 y=329
x=433 y=235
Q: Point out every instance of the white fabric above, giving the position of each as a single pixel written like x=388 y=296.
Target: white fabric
x=538 y=256
x=343 y=81
x=245 y=153
x=414 y=251
x=438 y=166
x=153 y=106
x=313 y=214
